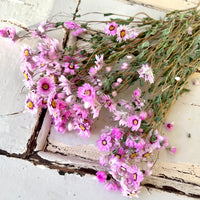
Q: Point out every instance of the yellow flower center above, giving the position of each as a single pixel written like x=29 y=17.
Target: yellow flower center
x=104 y=142
x=146 y=155
x=26 y=52
x=53 y=103
x=71 y=66
x=122 y=33
x=82 y=127
x=123 y=168
x=45 y=86
x=118 y=156
x=26 y=76
x=44 y=101
x=135 y=122
x=111 y=28
x=108 y=102
x=132 y=194
x=42 y=64
x=135 y=177
x=133 y=155
x=30 y=104
x=87 y=92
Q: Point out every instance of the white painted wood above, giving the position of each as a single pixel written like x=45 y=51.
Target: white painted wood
x=15 y=130
x=22 y=180
x=166 y=5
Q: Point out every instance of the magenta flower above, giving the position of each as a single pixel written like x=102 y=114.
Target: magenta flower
x=122 y=33
x=137 y=93
x=146 y=72
x=31 y=103
x=8 y=33
x=173 y=150
x=136 y=176
x=104 y=144
x=134 y=122
x=169 y=126
x=143 y=115
x=124 y=66
x=86 y=92
x=99 y=61
x=116 y=133
x=101 y=176
x=111 y=186
x=65 y=84
x=45 y=86
x=84 y=127
x=79 y=31
x=70 y=68
x=72 y=25
x=108 y=102
x=133 y=33
x=111 y=29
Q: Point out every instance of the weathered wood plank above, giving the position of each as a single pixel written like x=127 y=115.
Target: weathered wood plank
x=165 y=5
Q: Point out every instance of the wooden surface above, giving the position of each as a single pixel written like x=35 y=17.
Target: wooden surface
x=166 y=5
x=23 y=140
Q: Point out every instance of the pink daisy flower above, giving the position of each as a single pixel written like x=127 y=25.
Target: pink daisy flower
x=31 y=103
x=112 y=186
x=108 y=103
x=72 y=25
x=65 y=84
x=136 y=176
x=146 y=72
x=133 y=33
x=101 y=176
x=79 y=31
x=137 y=93
x=70 y=68
x=99 y=61
x=143 y=115
x=8 y=32
x=104 y=144
x=122 y=33
x=169 y=126
x=86 y=92
x=45 y=86
x=124 y=66
x=134 y=122
x=116 y=133
x=111 y=29
x=172 y=150
x=84 y=127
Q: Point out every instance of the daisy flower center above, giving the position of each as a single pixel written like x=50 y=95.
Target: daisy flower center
x=71 y=66
x=26 y=52
x=132 y=194
x=118 y=156
x=133 y=155
x=104 y=142
x=146 y=155
x=8 y=32
x=87 y=92
x=108 y=102
x=45 y=86
x=135 y=177
x=53 y=103
x=26 y=76
x=135 y=122
x=44 y=102
x=111 y=28
x=82 y=127
x=122 y=33
x=123 y=168
x=169 y=125
x=30 y=104
x=42 y=64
